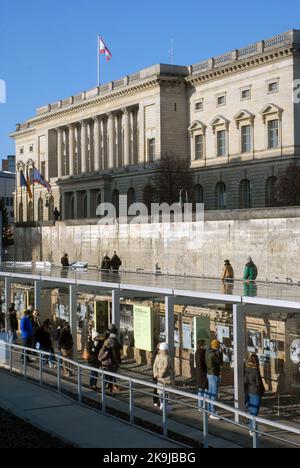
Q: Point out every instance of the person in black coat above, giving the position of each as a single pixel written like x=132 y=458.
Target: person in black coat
x=43 y=341
x=201 y=371
x=95 y=344
x=254 y=387
x=13 y=323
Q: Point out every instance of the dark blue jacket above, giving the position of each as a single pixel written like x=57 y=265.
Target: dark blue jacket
x=26 y=327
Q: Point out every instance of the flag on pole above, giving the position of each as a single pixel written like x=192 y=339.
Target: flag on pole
x=28 y=186
x=23 y=182
x=104 y=50
x=39 y=179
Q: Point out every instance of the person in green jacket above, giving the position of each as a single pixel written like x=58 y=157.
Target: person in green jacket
x=250 y=272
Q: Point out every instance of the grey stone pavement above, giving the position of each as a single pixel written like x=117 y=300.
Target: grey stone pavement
x=184 y=419
x=67 y=420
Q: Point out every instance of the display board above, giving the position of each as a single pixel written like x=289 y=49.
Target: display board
x=201 y=330
x=143 y=328
x=101 y=316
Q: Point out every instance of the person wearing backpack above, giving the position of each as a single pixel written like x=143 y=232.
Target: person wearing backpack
x=250 y=272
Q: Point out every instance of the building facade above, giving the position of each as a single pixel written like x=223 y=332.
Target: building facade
x=9 y=164
x=232 y=117
x=7 y=189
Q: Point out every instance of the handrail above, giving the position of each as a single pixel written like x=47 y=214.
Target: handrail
x=167 y=391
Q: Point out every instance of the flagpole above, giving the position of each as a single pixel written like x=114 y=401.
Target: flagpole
x=98 y=60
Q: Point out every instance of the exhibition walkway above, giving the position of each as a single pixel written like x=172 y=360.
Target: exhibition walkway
x=61 y=417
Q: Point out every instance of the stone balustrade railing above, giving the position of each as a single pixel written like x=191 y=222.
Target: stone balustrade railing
x=288 y=38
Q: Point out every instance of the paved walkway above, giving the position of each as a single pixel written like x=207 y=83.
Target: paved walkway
x=69 y=421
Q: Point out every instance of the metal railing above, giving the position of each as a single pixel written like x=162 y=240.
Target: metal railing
x=63 y=367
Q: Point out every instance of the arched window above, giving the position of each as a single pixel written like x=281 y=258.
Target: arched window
x=271 y=191
x=148 y=197
x=245 y=194
x=221 y=202
x=115 y=201
x=21 y=213
x=131 y=198
x=41 y=210
x=30 y=214
x=198 y=194
x=51 y=208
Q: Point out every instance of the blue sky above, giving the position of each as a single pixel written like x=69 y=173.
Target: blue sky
x=48 y=47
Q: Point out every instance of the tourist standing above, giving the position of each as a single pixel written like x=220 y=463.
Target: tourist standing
x=13 y=324
x=110 y=357
x=228 y=273
x=162 y=370
x=44 y=342
x=250 y=272
x=106 y=263
x=66 y=344
x=65 y=261
x=95 y=344
x=115 y=262
x=214 y=362
x=26 y=332
x=254 y=387
x=201 y=371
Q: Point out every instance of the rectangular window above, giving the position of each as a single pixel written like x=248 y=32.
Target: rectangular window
x=31 y=149
x=199 y=106
x=273 y=87
x=245 y=94
x=21 y=150
x=199 y=147
x=246 y=138
x=221 y=143
x=151 y=149
x=221 y=100
x=11 y=202
x=273 y=133
x=43 y=169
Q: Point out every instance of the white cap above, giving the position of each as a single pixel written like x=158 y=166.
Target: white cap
x=163 y=347
x=95 y=335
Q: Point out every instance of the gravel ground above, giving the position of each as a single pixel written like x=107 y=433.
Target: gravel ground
x=15 y=433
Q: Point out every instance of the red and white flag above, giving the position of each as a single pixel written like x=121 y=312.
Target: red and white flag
x=104 y=50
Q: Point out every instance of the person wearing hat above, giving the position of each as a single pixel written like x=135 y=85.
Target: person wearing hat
x=110 y=357
x=95 y=345
x=214 y=362
x=228 y=273
x=162 y=369
x=250 y=272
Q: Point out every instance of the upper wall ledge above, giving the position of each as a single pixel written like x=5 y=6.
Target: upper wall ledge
x=290 y=38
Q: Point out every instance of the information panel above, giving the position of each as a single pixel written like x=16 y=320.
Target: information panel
x=143 y=328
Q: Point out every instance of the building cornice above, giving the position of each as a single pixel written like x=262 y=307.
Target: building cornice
x=239 y=66
x=99 y=99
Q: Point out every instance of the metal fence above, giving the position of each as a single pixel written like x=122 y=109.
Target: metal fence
x=32 y=364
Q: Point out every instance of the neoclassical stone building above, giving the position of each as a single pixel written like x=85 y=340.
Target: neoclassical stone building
x=233 y=117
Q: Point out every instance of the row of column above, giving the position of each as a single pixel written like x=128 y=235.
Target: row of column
x=104 y=142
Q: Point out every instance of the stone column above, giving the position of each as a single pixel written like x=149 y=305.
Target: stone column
x=126 y=127
x=71 y=150
x=83 y=147
x=111 y=141
x=96 y=144
x=103 y=158
x=59 y=153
